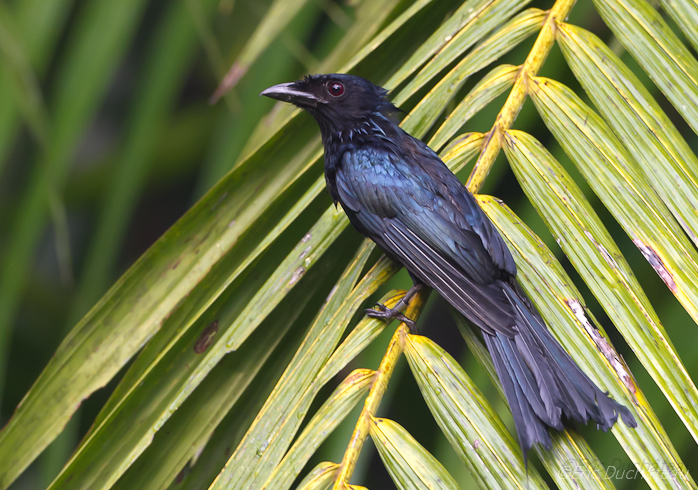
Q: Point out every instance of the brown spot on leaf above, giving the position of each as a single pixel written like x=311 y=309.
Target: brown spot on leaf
x=657 y=264
x=610 y=260
x=206 y=337
x=306 y=252
x=180 y=476
x=604 y=347
x=296 y=276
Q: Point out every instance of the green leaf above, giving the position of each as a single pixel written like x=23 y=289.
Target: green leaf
x=495 y=83
x=465 y=417
x=409 y=464
x=591 y=250
x=472 y=21
x=345 y=397
x=420 y=119
x=656 y=48
x=190 y=427
x=462 y=150
x=321 y=478
x=267 y=440
x=276 y=19
x=621 y=186
x=648 y=134
x=230 y=431
x=150 y=401
x=685 y=14
x=563 y=310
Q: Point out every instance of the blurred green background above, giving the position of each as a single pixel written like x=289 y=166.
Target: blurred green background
x=107 y=137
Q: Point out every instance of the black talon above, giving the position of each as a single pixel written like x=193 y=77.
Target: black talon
x=386 y=313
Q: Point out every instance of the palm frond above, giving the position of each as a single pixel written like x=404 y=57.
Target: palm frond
x=243 y=364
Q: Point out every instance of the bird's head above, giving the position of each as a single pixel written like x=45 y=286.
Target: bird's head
x=336 y=101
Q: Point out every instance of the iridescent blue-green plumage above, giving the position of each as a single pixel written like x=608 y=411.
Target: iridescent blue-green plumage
x=396 y=191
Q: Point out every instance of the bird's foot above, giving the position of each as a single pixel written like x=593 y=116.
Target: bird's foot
x=385 y=313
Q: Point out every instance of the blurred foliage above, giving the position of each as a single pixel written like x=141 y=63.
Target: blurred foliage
x=150 y=342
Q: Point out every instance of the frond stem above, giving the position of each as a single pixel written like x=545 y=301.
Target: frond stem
x=375 y=394
x=517 y=96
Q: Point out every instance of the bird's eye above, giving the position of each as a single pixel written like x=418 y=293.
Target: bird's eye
x=335 y=89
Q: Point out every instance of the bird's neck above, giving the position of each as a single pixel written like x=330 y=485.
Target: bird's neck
x=339 y=137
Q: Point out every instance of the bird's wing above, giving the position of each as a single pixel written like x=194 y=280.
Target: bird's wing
x=416 y=187
x=420 y=155
x=427 y=233
x=484 y=305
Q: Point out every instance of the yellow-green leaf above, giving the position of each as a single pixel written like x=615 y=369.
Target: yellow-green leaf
x=591 y=250
x=495 y=83
x=269 y=348
x=329 y=415
x=462 y=150
x=146 y=406
x=474 y=20
x=321 y=478
x=621 y=186
x=563 y=310
x=685 y=14
x=410 y=465
x=267 y=440
x=474 y=430
x=659 y=51
x=648 y=134
x=504 y=40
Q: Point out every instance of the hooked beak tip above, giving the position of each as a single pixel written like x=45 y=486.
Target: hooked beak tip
x=272 y=91
x=289 y=92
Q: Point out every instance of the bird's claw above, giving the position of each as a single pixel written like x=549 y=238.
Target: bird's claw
x=385 y=313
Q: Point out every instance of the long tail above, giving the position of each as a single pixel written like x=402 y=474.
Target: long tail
x=541 y=381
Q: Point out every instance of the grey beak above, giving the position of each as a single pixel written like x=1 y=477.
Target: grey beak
x=290 y=92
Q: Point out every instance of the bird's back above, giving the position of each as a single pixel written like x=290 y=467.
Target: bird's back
x=405 y=199
x=409 y=183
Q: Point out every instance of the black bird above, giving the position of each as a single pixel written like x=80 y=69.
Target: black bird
x=397 y=192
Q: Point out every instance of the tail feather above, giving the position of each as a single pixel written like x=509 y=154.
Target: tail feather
x=541 y=381
x=529 y=427
x=549 y=390
x=531 y=389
